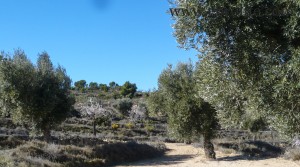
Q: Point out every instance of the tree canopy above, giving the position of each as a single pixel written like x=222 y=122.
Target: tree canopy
x=37 y=95
x=103 y=87
x=93 y=86
x=188 y=114
x=128 y=89
x=249 y=54
x=80 y=85
x=113 y=85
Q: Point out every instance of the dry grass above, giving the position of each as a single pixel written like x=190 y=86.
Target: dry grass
x=7 y=142
x=6 y=162
x=37 y=153
x=293 y=154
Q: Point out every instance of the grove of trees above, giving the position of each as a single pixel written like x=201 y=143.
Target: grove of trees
x=128 y=89
x=247 y=76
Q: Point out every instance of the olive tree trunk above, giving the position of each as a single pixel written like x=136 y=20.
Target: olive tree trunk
x=94 y=127
x=209 y=148
x=47 y=134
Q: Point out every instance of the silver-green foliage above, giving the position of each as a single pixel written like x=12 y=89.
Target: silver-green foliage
x=37 y=95
x=188 y=115
x=238 y=105
x=249 y=67
x=154 y=102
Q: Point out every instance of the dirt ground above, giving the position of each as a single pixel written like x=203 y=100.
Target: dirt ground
x=182 y=155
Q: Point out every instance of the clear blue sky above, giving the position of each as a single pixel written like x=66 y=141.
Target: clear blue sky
x=95 y=40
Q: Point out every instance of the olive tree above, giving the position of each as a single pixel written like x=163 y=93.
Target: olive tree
x=154 y=102
x=123 y=105
x=188 y=114
x=239 y=106
x=37 y=95
x=249 y=53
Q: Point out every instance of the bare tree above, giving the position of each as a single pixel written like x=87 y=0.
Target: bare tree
x=296 y=142
x=137 y=112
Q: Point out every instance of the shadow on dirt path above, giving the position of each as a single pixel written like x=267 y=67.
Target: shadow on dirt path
x=163 y=161
x=181 y=155
x=172 y=157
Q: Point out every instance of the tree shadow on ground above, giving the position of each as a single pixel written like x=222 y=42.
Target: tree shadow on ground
x=244 y=157
x=252 y=150
x=162 y=161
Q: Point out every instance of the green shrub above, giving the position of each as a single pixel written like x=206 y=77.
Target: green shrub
x=123 y=105
x=102 y=95
x=128 y=89
x=115 y=126
x=149 y=128
x=103 y=121
x=129 y=125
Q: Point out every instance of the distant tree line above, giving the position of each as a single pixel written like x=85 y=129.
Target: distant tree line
x=128 y=89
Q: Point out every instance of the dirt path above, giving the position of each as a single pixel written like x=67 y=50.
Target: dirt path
x=181 y=155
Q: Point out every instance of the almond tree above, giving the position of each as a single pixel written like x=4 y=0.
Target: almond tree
x=94 y=110
x=138 y=112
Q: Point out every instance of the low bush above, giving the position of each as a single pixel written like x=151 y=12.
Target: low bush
x=149 y=128
x=7 y=142
x=129 y=125
x=123 y=105
x=115 y=126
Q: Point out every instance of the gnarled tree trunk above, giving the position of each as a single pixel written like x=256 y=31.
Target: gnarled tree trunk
x=209 y=147
x=47 y=134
